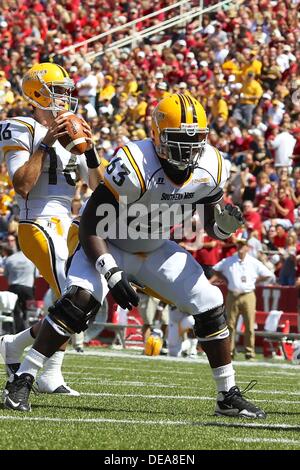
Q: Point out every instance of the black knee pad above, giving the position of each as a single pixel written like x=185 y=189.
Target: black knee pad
x=210 y=323
x=74 y=309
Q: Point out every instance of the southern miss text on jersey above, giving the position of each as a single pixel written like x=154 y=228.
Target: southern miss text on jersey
x=55 y=188
x=135 y=173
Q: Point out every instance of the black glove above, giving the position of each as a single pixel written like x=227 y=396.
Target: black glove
x=120 y=288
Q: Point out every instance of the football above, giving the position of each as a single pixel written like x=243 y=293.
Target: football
x=74 y=141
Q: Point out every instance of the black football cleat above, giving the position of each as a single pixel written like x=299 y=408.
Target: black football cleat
x=18 y=393
x=233 y=403
x=9 y=368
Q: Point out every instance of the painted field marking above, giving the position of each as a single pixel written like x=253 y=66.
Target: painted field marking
x=264 y=439
x=283 y=426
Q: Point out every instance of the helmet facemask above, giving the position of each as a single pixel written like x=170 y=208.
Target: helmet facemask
x=183 y=147
x=62 y=101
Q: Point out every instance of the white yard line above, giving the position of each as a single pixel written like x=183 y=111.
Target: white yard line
x=140 y=395
x=164 y=370
x=145 y=370
x=199 y=360
x=21 y=417
x=263 y=439
x=178 y=383
x=166 y=397
x=126 y=383
x=174 y=397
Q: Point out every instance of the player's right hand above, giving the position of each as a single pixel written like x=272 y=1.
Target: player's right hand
x=56 y=129
x=120 y=288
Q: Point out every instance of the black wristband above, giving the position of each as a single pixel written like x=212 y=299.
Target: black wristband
x=44 y=147
x=92 y=158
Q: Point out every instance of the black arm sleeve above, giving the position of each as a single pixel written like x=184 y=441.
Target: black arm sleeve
x=92 y=242
x=212 y=199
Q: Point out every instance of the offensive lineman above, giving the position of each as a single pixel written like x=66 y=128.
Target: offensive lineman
x=43 y=174
x=177 y=165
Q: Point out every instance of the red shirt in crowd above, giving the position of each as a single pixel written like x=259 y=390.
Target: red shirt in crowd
x=253 y=220
x=280 y=240
x=287 y=203
x=261 y=201
x=208 y=255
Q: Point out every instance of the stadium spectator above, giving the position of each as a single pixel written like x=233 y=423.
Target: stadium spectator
x=20 y=273
x=287 y=274
x=279 y=240
x=283 y=145
x=241 y=272
x=250 y=94
x=252 y=217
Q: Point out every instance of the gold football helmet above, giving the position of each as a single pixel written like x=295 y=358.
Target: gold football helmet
x=154 y=344
x=179 y=129
x=48 y=86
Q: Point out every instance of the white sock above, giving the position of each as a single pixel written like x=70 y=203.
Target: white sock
x=15 y=345
x=224 y=377
x=52 y=368
x=32 y=363
x=185 y=345
x=193 y=345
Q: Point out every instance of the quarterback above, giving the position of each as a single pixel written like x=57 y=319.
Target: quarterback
x=176 y=166
x=44 y=174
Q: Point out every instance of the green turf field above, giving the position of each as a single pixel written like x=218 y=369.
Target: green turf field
x=130 y=402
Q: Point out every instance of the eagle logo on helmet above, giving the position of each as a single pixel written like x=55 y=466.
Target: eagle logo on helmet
x=160 y=116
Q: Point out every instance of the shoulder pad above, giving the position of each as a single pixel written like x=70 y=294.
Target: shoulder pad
x=123 y=175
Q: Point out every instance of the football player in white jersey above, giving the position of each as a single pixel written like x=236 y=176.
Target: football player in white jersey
x=43 y=174
x=176 y=166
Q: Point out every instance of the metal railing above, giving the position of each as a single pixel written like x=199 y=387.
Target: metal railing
x=123 y=26
x=152 y=30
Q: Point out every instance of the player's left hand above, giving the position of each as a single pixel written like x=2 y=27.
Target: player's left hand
x=122 y=291
x=228 y=219
x=88 y=133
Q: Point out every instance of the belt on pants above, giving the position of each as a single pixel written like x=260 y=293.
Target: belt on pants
x=239 y=294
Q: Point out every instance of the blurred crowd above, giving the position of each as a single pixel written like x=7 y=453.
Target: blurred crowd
x=241 y=62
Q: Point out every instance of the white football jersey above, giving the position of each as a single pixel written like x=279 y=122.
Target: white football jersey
x=136 y=173
x=55 y=188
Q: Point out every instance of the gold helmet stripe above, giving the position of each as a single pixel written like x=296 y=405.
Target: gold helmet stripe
x=183 y=110
x=63 y=71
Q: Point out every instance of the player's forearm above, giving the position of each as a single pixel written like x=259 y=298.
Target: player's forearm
x=25 y=178
x=91 y=232
x=92 y=244
x=95 y=177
